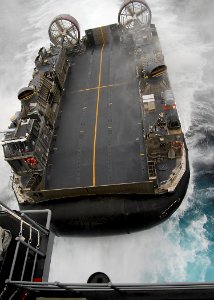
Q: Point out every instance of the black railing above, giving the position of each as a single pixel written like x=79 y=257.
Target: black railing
x=32 y=255
x=26 y=255
x=119 y=291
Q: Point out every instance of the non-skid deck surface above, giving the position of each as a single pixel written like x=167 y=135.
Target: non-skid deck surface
x=99 y=137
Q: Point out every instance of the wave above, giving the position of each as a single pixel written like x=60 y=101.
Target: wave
x=181 y=248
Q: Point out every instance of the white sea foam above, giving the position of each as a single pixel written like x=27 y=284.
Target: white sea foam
x=161 y=254
x=164 y=253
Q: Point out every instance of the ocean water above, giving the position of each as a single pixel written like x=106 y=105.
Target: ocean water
x=182 y=248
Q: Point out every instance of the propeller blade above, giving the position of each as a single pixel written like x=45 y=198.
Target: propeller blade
x=71 y=35
x=59 y=26
x=133 y=8
x=130 y=11
x=58 y=35
x=69 y=41
x=140 y=12
x=128 y=22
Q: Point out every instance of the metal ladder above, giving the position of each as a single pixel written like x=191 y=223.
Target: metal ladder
x=152 y=170
x=32 y=181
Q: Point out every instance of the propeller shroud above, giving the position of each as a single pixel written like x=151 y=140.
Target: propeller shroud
x=133 y=12
x=64 y=30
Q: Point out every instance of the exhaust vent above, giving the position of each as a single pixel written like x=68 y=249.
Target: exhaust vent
x=26 y=93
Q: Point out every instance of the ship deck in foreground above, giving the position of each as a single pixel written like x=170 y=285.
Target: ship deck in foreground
x=98 y=139
x=25 y=261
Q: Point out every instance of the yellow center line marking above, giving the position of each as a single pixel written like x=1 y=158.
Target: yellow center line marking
x=99 y=87
x=97 y=110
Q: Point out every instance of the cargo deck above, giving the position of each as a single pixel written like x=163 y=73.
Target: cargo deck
x=101 y=84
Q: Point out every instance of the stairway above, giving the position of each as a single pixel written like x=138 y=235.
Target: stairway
x=32 y=181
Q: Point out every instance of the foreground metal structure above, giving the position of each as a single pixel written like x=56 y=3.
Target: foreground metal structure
x=98 y=139
x=24 y=269
x=27 y=255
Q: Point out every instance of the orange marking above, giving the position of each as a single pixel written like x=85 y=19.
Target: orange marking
x=97 y=110
x=99 y=87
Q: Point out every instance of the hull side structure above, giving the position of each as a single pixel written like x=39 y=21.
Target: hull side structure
x=98 y=139
x=116 y=214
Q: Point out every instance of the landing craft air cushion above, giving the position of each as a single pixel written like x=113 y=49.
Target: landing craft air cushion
x=98 y=139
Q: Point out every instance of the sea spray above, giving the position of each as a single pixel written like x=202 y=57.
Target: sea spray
x=182 y=248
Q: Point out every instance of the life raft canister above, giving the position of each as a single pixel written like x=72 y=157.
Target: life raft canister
x=31 y=161
x=177 y=145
